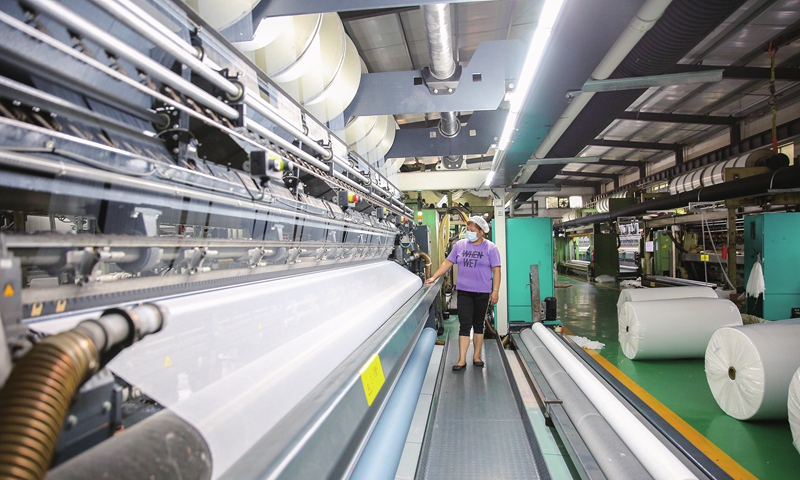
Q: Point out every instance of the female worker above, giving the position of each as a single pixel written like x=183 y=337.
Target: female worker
x=477 y=285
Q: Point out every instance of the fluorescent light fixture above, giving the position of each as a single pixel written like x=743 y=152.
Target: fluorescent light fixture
x=558 y=161
x=547 y=19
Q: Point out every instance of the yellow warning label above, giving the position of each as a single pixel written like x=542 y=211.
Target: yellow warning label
x=9 y=291
x=167 y=362
x=36 y=309
x=704 y=257
x=372 y=378
x=260 y=326
x=61 y=305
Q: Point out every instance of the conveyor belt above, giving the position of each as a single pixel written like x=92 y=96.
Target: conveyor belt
x=478 y=427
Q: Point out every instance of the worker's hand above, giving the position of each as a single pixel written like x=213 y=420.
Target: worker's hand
x=430 y=281
x=493 y=298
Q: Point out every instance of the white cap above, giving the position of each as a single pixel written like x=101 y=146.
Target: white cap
x=479 y=221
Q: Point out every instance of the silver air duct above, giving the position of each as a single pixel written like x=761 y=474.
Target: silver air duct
x=443 y=64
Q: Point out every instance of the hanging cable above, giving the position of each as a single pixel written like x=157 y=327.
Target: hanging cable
x=773 y=103
x=704 y=224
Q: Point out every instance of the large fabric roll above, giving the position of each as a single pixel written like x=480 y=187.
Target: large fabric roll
x=676 y=328
x=749 y=368
x=665 y=293
x=794 y=409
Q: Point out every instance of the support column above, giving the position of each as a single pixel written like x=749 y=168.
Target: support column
x=732 y=245
x=499 y=237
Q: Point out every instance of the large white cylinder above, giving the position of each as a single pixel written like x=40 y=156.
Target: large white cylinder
x=749 y=368
x=664 y=293
x=221 y=14
x=794 y=409
x=676 y=328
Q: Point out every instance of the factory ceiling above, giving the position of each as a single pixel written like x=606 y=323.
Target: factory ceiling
x=629 y=130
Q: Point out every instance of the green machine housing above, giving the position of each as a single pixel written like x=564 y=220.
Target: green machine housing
x=529 y=241
x=773 y=236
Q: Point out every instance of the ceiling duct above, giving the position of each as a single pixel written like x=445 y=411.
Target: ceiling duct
x=443 y=66
x=684 y=24
x=311 y=58
x=370 y=136
x=714 y=174
x=222 y=14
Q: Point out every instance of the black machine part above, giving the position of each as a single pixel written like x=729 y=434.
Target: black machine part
x=172 y=447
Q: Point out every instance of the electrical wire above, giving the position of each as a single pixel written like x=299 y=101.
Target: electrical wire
x=724 y=272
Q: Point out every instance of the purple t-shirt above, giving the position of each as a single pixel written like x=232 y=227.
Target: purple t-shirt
x=475 y=263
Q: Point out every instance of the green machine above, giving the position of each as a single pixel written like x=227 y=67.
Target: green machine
x=529 y=241
x=662 y=253
x=773 y=237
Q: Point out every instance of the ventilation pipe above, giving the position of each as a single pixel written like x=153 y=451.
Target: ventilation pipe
x=781 y=179
x=371 y=136
x=311 y=58
x=222 y=14
x=443 y=66
x=714 y=174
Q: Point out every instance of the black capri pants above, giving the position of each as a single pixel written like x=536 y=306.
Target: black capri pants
x=471 y=311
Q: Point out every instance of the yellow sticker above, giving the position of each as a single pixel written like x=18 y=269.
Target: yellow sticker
x=704 y=257
x=36 y=309
x=372 y=378
x=167 y=362
x=9 y=291
x=61 y=305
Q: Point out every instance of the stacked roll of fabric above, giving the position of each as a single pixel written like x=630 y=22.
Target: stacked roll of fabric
x=675 y=328
x=749 y=368
x=665 y=293
x=794 y=408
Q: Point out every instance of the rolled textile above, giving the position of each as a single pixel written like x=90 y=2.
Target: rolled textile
x=749 y=368
x=676 y=328
x=664 y=293
x=794 y=408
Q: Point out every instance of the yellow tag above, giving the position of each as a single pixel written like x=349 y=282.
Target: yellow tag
x=372 y=378
x=36 y=309
x=9 y=291
x=704 y=257
x=260 y=326
x=61 y=305
x=167 y=362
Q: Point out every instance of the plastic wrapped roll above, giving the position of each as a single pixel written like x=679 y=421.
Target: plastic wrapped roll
x=665 y=293
x=676 y=328
x=794 y=409
x=749 y=368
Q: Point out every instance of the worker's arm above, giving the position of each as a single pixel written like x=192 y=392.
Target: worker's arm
x=495 y=285
x=443 y=268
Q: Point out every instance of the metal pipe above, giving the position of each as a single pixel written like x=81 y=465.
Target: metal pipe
x=381 y=456
x=443 y=64
x=37 y=98
x=614 y=458
x=656 y=458
x=278 y=140
x=440 y=39
x=427 y=259
x=268 y=111
x=35 y=400
x=40 y=67
x=142 y=23
x=83 y=27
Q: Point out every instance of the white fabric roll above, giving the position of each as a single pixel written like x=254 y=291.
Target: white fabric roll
x=749 y=368
x=676 y=328
x=664 y=293
x=794 y=409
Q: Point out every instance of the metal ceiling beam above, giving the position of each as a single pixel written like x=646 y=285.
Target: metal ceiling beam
x=679 y=118
x=535 y=187
x=366 y=14
x=590 y=174
x=621 y=163
x=278 y=8
x=742 y=73
x=649 y=81
x=630 y=144
x=560 y=161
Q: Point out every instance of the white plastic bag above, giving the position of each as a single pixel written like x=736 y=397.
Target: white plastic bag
x=755 y=284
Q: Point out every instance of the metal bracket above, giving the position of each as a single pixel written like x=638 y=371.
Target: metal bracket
x=195 y=258
x=86 y=262
x=438 y=86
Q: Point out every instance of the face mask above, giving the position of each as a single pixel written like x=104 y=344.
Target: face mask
x=472 y=236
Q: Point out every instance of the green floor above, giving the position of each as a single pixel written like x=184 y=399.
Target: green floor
x=764 y=447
